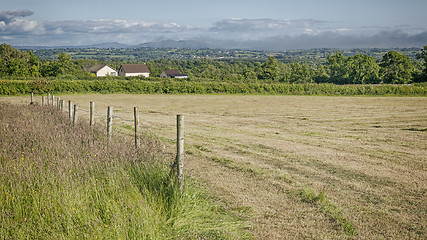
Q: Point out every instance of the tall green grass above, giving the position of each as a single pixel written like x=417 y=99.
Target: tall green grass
x=62 y=182
x=201 y=86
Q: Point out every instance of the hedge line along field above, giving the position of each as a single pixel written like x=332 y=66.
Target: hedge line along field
x=59 y=181
x=302 y=167
x=201 y=86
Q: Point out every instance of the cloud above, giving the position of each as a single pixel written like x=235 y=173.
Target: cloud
x=262 y=34
x=72 y=32
x=111 y=26
x=266 y=27
x=8 y=16
x=13 y=23
x=265 y=24
x=331 y=39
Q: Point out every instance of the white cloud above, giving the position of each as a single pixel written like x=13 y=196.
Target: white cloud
x=21 y=25
x=329 y=39
x=267 y=34
x=9 y=15
x=265 y=24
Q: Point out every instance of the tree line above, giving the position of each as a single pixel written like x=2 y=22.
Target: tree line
x=393 y=68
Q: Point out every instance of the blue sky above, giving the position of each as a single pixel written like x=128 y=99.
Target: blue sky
x=260 y=24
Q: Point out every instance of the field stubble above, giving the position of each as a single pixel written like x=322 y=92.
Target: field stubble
x=301 y=166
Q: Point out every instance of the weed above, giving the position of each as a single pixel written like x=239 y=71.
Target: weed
x=202 y=148
x=307 y=195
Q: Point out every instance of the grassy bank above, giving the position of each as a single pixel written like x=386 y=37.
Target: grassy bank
x=157 y=86
x=61 y=182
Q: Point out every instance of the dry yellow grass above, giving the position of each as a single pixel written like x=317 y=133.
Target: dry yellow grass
x=362 y=159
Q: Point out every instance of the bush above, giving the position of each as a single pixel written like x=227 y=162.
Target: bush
x=169 y=86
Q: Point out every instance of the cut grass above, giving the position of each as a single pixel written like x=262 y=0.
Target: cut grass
x=366 y=154
x=306 y=194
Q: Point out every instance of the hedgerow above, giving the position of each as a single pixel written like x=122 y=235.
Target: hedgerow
x=158 y=86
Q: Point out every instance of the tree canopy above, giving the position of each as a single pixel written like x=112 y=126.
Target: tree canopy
x=16 y=63
x=393 y=68
x=423 y=56
x=396 y=68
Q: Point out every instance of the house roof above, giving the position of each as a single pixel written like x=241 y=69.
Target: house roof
x=135 y=68
x=96 y=68
x=172 y=72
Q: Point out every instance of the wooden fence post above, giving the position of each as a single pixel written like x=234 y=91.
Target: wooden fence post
x=92 y=114
x=32 y=98
x=180 y=150
x=136 y=118
x=61 y=105
x=70 y=110
x=53 y=100
x=75 y=114
x=109 y=123
x=42 y=100
x=58 y=105
x=48 y=99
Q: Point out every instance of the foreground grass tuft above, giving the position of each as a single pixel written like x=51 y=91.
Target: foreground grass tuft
x=60 y=182
x=306 y=194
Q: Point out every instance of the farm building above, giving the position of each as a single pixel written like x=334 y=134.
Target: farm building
x=101 y=70
x=130 y=70
x=172 y=74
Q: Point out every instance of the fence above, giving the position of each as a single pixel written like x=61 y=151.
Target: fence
x=73 y=114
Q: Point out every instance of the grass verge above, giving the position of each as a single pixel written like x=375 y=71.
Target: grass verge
x=62 y=182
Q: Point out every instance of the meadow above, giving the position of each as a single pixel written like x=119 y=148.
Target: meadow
x=298 y=167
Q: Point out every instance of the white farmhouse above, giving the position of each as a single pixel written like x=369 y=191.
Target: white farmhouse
x=130 y=70
x=102 y=70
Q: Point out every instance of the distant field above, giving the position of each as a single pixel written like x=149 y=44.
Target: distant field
x=299 y=166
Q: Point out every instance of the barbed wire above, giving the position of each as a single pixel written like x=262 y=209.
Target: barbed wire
x=163 y=140
x=160 y=138
x=125 y=120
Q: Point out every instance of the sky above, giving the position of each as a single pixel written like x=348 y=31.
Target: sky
x=244 y=24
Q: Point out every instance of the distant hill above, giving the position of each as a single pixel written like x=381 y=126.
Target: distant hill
x=189 y=44
x=107 y=45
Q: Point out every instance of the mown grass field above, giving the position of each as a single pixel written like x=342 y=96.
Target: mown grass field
x=299 y=166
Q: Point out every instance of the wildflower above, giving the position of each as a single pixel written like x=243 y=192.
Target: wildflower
x=70 y=170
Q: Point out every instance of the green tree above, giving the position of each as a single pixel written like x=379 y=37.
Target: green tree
x=362 y=69
x=320 y=74
x=250 y=74
x=270 y=69
x=396 y=68
x=423 y=56
x=337 y=66
x=49 y=69
x=64 y=64
x=16 y=63
x=300 y=73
